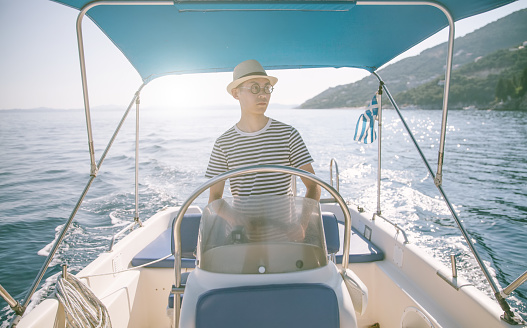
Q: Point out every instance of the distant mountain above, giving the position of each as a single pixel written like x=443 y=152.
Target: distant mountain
x=428 y=66
x=497 y=80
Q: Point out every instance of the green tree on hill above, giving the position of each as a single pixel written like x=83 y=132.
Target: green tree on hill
x=523 y=83
x=498 y=80
x=505 y=89
x=509 y=88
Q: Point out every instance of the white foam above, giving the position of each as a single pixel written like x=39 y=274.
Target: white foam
x=116 y=220
x=47 y=287
x=10 y=314
x=45 y=251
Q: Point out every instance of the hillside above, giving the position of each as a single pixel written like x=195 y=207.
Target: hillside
x=429 y=65
x=498 y=80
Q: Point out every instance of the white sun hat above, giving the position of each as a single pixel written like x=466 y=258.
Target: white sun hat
x=249 y=69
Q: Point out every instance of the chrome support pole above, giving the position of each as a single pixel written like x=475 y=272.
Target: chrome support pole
x=334 y=161
x=119 y=126
x=379 y=153
x=438 y=180
x=407 y=128
x=62 y=234
x=94 y=168
x=57 y=243
x=450 y=54
x=96 y=3
x=177 y=291
x=13 y=304
x=239 y=172
x=464 y=232
x=515 y=284
x=64 y=271
x=82 y=60
x=454 y=265
x=136 y=216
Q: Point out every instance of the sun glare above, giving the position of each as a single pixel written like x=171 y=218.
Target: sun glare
x=188 y=91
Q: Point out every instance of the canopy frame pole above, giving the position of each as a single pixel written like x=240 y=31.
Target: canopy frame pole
x=62 y=234
x=94 y=168
x=82 y=60
x=438 y=180
x=136 y=214
x=379 y=153
x=508 y=315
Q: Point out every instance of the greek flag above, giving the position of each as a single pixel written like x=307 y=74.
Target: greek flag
x=365 y=130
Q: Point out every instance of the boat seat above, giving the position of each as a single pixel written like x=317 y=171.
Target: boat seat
x=163 y=245
x=290 y=305
x=331 y=232
x=361 y=249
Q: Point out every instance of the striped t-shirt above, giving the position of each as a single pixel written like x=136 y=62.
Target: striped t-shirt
x=277 y=143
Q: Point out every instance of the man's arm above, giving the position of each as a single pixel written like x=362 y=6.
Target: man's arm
x=216 y=191
x=223 y=209
x=312 y=188
x=313 y=192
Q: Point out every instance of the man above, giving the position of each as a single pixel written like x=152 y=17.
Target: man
x=257 y=140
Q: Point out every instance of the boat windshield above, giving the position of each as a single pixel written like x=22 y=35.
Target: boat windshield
x=262 y=234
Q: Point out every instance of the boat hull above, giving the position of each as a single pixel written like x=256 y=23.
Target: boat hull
x=407 y=287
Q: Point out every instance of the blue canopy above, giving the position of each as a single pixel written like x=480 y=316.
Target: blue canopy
x=214 y=36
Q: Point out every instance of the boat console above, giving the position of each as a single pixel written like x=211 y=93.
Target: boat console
x=275 y=234
x=264 y=264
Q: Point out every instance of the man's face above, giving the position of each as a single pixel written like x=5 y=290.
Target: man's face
x=249 y=101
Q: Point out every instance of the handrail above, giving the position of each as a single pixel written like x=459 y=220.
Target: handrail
x=337 y=185
x=235 y=173
x=128 y=227
x=394 y=225
x=334 y=161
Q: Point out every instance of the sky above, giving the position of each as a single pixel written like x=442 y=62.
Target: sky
x=39 y=65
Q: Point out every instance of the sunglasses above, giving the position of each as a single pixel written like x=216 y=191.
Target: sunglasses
x=255 y=88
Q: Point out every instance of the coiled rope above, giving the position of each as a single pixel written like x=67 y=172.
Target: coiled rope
x=82 y=307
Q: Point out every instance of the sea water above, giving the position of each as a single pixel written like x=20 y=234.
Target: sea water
x=45 y=166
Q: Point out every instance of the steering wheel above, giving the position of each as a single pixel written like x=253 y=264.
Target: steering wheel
x=258 y=169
